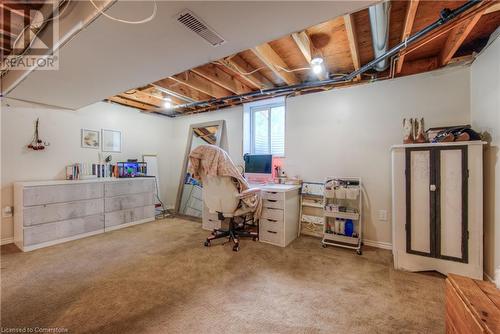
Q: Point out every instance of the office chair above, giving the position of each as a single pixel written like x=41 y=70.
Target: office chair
x=221 y=196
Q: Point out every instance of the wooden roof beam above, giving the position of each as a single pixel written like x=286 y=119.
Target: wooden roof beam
x=274 y=62
x=307 y=49
x=240 y=67
x=201 y=84
x=411 y=12
x=353 y=42
x=217 y=76
x=457 y=36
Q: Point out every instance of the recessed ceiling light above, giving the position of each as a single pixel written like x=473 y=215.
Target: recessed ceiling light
x=317 y=65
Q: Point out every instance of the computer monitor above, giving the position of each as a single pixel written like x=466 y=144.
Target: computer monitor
x=258 y=167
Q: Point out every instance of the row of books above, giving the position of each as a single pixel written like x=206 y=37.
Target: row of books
x=81 y=171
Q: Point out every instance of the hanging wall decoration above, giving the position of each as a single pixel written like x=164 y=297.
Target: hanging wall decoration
x=36 y=143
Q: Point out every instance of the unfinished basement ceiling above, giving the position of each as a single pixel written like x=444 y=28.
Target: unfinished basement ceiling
x=109 y=57
x=344 y=43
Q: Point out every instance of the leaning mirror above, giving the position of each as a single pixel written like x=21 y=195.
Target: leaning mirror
x=189 y=197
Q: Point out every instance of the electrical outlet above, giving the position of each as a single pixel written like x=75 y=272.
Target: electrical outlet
x=382 y=215
x=7 y=211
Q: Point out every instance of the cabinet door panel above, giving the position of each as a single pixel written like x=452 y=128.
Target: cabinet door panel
x=451 y=217
x=451 y=203
x=418 y=202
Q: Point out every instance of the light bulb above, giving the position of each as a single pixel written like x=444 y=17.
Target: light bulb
x=168 y=103
x=317 y=65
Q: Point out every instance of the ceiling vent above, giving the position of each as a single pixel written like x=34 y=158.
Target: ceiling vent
x=195 y=24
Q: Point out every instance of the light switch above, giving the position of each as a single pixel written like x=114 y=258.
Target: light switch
x=382 y=215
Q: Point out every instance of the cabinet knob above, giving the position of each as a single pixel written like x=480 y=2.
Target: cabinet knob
x=433 y=187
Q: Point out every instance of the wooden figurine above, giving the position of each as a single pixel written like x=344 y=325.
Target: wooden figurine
x=408 y=136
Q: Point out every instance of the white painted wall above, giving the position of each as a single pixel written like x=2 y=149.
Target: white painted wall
x=485 y=116
x=349 y=132
x=141 y=134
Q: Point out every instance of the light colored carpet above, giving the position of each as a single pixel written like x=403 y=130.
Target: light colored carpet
x=159 y=278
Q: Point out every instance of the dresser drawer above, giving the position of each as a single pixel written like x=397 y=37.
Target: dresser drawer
x=61 y=193
x=275 y=214
x=41 y=214
x=129 y=216
x=272 y=195
x=134 y=186
x=273 y=203
x=270 y=231
x=63 y=229
x=118 y=203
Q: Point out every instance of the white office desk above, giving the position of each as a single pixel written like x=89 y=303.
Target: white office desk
x=279 y=222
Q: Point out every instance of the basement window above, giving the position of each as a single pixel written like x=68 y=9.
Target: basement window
x=264 y=127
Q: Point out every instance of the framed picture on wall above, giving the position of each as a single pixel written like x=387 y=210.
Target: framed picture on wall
x=90 y=139
x=111 y=140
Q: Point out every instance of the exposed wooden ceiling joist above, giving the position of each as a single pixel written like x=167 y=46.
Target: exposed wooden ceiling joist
x=456 y=37
x=201 y=84
x=154 y=92
x=131 y=103
x=353 y=42
x=274 y=62
x=182 y=90
x=239 y=66
x=411 y=12
x=140 y=96
x=217 y=76
x=343 y=42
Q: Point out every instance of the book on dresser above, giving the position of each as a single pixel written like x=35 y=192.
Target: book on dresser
x=52 y=212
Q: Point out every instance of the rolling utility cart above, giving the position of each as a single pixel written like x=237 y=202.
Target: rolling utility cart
x=342 y=211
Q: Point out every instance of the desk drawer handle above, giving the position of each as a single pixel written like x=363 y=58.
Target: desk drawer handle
x=272 y=220
x=272 y=200
x=273 y=192
x=273 y=232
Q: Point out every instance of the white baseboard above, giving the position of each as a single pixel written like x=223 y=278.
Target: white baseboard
x=378 y=244
x=6 y=241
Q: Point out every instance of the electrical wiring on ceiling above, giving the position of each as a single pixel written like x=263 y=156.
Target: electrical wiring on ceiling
x=148 y=19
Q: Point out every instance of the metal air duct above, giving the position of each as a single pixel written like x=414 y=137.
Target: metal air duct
x=379 y=24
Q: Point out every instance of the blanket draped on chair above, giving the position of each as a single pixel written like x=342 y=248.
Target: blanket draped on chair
x=211 y=160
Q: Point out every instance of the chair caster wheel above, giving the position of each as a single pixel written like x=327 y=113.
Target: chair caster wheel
x=255 y=238
x=359 y=252
x=236 y=248
x=324 y=245
x=208 y=243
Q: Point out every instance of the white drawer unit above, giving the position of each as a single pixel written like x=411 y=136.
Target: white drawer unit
x=279 y=222
x=51 y=212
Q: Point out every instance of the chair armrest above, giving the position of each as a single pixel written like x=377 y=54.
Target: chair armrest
x=249 y=192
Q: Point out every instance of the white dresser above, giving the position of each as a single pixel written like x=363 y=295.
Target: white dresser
x=279 y=223
x=51 y=212
x=437 y=207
